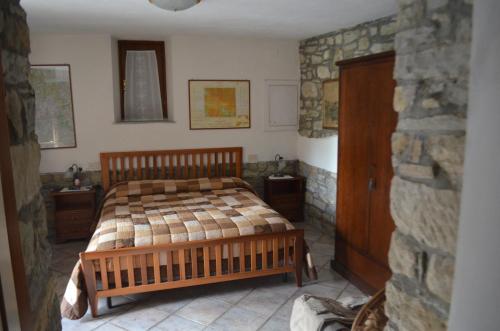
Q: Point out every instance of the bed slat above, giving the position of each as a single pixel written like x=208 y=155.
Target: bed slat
x=144 y=270
x=156 y=266
x=170 y=272
x=264 y=254
x=104 y=273
x=242 y=256
x=275 y=252
x=206 y=261
x=218 y=260
x=230 y=258
x=117 y=272
x=194 y=263
x=182 y=264
x=130 y=270
x=253 y=255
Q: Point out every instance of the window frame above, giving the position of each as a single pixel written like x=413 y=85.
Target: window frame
x=143 y=45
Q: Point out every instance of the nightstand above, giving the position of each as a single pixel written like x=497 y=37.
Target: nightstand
x=286 y=196
x=74 y=214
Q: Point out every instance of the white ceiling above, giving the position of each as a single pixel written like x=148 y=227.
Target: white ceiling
x=290 y=19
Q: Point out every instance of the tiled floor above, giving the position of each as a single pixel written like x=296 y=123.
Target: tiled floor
x=254 y=304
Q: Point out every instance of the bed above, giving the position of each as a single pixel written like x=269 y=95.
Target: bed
x=178 y=218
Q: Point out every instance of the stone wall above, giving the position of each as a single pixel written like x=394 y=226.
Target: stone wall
x=317 y=63
x=432 y=46
x=252 y=173
x=321 y=194
x=25 y=154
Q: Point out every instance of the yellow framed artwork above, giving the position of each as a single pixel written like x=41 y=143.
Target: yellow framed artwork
x=331 y=104
x=219 y=104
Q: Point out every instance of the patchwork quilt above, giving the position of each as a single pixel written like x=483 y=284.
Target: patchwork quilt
x=153 y=212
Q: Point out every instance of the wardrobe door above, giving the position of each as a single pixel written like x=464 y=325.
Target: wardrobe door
x=366 y=122
x=384 y=118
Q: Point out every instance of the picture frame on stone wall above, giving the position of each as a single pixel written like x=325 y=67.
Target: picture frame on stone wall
x=54 y=116
x=330 y=104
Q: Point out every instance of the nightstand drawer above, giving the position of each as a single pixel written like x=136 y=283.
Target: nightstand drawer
x=74 y=216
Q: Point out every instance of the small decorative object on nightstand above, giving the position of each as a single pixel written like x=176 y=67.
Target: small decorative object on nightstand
x=286 y=196
x=74 y=213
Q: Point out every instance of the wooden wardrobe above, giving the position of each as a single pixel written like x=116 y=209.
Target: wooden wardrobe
x=366 y=123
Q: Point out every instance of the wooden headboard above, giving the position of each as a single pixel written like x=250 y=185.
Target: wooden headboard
x=170 y=164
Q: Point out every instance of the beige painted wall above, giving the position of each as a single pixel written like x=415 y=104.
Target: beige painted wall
x=94 y=83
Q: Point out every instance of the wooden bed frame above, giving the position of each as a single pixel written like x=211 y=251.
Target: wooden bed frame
x=127 y=277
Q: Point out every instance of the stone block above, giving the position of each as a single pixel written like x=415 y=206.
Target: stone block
x=404 y=96
x=350 y=36
x=435 y=123
x=416 y=171
x=323 y=72
x=388 y=29
x=399 y=143
x=448 y=152
x=439 y=278
x=15 y=115
x=339 y=39
x=17 y=35
x=364 y=43
x=429 y=215
x=309 y=90
x=430 y=103
x=25 y=162
x=411 y=313
x=316 y=59
x=405 y=256
x=416 y=150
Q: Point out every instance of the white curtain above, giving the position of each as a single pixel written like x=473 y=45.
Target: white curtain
x=142 y=90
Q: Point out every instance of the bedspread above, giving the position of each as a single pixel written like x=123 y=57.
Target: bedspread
x=153 y=212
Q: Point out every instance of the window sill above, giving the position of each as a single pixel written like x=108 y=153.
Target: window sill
x=144 y=122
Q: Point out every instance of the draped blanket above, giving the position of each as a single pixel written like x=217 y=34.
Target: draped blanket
x=153 y=212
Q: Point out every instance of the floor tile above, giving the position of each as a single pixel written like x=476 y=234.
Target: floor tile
x=203 y=310
x=286 y=289
x=353 y=291
x=321 y=261
x=275 y=324
x=139 y=318
x=176 y=323
x=263 y=301
x=86 y=323
x=319 y=290
x=238 y=319
x=231 y=293
x=329 y=277
x=322 y=249
x=168 y=301
x=109 y=327
x=285 y=311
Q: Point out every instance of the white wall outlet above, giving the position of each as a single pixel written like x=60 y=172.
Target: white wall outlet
x=252 y=158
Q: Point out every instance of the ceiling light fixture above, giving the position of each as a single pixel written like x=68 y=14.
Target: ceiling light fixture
x=175 y=5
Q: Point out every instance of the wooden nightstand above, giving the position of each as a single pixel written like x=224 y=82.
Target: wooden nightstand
x=74 y=214
x=286 y=196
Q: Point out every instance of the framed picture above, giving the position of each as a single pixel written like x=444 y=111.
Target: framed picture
x=331 y=104
x=54 y=120
x=219 y=104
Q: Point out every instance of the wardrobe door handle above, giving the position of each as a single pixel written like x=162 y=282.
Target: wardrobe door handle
x=371 y=184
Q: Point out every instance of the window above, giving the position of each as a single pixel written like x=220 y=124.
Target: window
x=143 y=85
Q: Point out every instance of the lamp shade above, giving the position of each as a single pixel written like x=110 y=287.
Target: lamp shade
x=174 y=5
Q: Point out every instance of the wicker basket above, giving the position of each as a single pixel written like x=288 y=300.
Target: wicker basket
x=371 y=317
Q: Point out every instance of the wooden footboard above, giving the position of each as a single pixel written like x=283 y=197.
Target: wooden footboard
x=190 y=263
